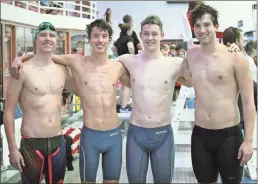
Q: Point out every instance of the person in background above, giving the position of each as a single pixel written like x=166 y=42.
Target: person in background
x=172 y=51
x=180 y=51
x=124 y=45
x=107 y=16
x=165 y=50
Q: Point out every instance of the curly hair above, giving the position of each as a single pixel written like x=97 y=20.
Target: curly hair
x=203 y=9
x=102 y=24
x=153 y=19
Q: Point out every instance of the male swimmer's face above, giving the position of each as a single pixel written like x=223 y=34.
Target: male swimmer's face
x=151 y=36
x=99 y=40
x=205 y=30
x=46 y=41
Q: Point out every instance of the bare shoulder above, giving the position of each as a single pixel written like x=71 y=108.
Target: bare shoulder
x=125 y=58
x=240 y=61
x=193 y=48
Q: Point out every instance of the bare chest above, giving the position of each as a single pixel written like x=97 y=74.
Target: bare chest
x=98 y=81
x=212 y=70
x=153 y=77
x=45 y=82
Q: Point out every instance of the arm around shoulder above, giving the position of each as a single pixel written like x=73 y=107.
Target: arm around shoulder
x=67 y=60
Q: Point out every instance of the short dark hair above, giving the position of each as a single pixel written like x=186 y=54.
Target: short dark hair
x=231 y=35
x=179 y=46
x=102 y=24
x=127 y=19
x=152 y=19
x=203 y=9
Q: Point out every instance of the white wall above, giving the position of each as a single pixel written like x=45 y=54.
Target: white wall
x=23 y=16
x=230 y=13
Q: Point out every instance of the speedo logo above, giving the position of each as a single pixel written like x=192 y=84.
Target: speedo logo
x=116 y=133
x=161 y=132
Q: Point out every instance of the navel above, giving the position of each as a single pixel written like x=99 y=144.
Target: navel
x=220 y=77
x=62 y=87
x=165 y=81
x=113 y=84
x=133 y=80
x=35 y=88
x=86 y=83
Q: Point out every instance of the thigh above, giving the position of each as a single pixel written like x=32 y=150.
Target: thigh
x=137 y=161
x=34 y=164
x=88 y=160
x=205 y=166
x=112 y=161
x=162 y=161
x=55 y=170
x=230 y=170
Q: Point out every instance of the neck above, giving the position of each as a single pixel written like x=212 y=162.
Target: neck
x=99 y=59
x=211 y=47
x=152 y=55
x=43 y=59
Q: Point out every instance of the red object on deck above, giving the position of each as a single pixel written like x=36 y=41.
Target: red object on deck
x=75 y=134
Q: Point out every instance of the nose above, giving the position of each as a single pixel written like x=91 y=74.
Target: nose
x=100 y=39
x=47 y=37
x=202 y=29
x=150 y=37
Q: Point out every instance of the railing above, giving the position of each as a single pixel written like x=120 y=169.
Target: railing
x=80 y=9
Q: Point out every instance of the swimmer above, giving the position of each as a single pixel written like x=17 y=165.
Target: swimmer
x=96 y=78
x=153 y=77
x=217 y=142
x=38 y=90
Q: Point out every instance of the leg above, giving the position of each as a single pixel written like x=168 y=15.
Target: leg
x=112 y=162
x=230 y=170
x=204 y=165
x=162 y=161
x=125 y=95
x=137 y=161
x=88 y=159
x=56 y=165
x=34 y=164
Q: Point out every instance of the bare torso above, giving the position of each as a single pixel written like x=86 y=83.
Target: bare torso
x=152 y=84
x=96 y=86
x=216 y=88
x=40 y=100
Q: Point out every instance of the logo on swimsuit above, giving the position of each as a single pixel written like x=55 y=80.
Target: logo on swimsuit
x=231 y=178
x=161 y=132
x=114 y=134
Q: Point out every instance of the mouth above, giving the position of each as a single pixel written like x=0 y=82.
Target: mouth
x=100 y=46
x=203 y=36
x=150 y=43
x=47 y=44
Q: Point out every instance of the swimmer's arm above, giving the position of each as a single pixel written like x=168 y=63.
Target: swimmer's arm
x=67 y=60
x=245 y=84
x=70 y=85
x=184 y=74
x=125 y=77
x=13 y=93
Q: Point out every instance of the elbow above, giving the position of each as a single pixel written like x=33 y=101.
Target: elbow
x=131 y=50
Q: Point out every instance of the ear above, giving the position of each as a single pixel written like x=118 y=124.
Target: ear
x=217 y=27
x=162 y=36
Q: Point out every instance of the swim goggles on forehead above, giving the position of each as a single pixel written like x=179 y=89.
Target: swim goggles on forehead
x=44 y=26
